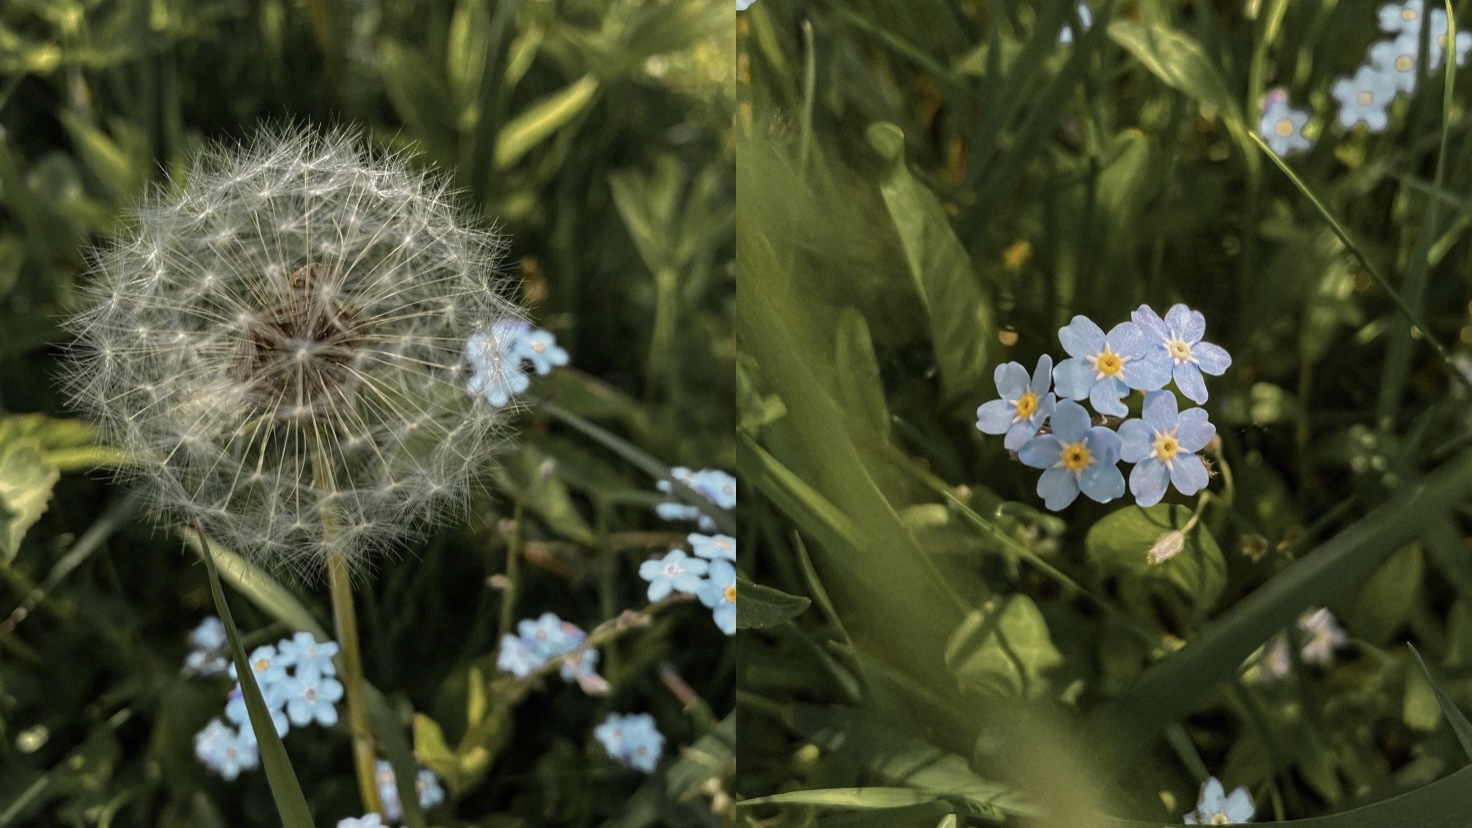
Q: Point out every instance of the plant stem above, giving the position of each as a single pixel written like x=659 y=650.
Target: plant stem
x=346 y=622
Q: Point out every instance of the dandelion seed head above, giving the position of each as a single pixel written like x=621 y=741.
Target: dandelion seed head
x=280 y=345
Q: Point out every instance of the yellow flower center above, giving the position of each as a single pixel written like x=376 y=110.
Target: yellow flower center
x=730 y=593
x=1166 y=447
x=1076 y=456
x=261 y=665
x=1179 y=350
x=1219 y=818
x=1365 y=97
x=538 y=347
x=1407 y=14
x=1284 y=127
x=1403 y=63
x=1026 y=405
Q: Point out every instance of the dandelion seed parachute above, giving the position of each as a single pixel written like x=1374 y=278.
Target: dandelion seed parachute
x=279 y=344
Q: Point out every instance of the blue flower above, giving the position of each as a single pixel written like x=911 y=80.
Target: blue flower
x=496 y=374
x=550 y=636
x=309 y=657
x=1024 y=405
x=1085 y=16
x=206 y=643
x=237 y=712
x=220 y=748
x=1396 y=60
x=675 y=572
x=1462 y=42
x=1401 y=18
x=1363 y=98
x=365 y=821
x=631 y=740
x=516 y=657
x=1076 y=457
x=712 y=547
x=1163 y=447
x=265 y=665
x=311 y=697
x=1216 y=808
x=714 y=484
x=426 y=784
x=719 y=593
x=1104 y=368
x=1178 y=338
x=428 y=787
x=1281 y=126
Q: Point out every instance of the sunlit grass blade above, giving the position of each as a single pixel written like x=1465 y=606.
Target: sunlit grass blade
x=291 y=804
x=1454 y=716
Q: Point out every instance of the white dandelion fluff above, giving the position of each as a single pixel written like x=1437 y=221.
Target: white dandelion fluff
x=279 y=343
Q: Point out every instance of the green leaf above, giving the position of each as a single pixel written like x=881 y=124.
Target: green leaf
x=259 y=587
x=25 y=487
x=855 y=798
x=1121 y=544
x=542 y=119
x=762 y=606
x=291 y=805
x=1454 y=716
x=961 y=324
x=1389 y=597
x=856 y=373
x=431 y=749
x=418 y=95
x=1004 y=648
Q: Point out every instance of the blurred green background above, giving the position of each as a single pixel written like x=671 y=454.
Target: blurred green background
x=597 y=134
x=929 y=189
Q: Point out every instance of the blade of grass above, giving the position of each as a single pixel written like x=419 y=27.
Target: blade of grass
x=291 y=804
x=1454 y=717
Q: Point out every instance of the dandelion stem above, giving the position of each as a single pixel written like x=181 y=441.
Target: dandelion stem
x=352 y=681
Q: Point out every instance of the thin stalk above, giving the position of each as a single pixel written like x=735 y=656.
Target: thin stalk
x=513 y=573
x=350 y=657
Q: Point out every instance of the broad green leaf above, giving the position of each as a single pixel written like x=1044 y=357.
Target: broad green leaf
x=542 y=119
x=431 y=749
x=291 y=804
x=1389 y=597
x=961 y=324
x=856 y=373
x=25 y=487
x=855 y=798
x=1122 y=543
x=1004 y=648
x=1173 y=686
x=762 y=606
x=903 y=759
x=545 y=494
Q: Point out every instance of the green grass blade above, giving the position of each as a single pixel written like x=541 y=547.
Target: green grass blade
x=291 y=804
x=1455 y=717
x=258 y=587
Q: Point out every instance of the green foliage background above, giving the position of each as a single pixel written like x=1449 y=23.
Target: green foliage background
x=596 y=133
x=929 y=189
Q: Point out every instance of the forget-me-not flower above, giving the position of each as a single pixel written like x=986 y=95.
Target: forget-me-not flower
x=311 y=697
x=426 y=785
x=1076 y=457
x=714 y=484
x=1104 y=368
x=206 y=644
x=1363 y=98
x=1215 y=807
x=712 y=547
x=1401 y=18
x=1178 y=337
x=220 y=748
x=1281 y=126
x=675 y=572
x=265 y=665
x=496 y=374
x=237 y=712
x=520 y=341
x=516 y=657
x=1163 y=448
x=364 y=821
x=1025 y=404
x=631 y=740
x=719 y=593
x=1461 y=43
x=1396 y=60
x=306 y=655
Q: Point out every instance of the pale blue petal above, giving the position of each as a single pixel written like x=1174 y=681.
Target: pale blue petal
x=1126 y=339
x=1042 y=376
x=1102 y=482
x=1073 y=378
x=1148 y=373
x=1147 y=482
x=1057 y=488
x=1134 y=440
x=1213 y=798
x=1104 y=445
x=1045 y=408
x=1188 y=379
x=1193 y=431
x=1013 y=381
x=1043 y=452
x=1151 y=325
x=1211 y=358
x=1160 y=410
x=998 y=374
x=1188 y=474
x=1239 y=806
x=1105 y=397
x=994 y=417
x=1186 y=324
x=1070 y=421
x=1020 y=433
x=1081 y=337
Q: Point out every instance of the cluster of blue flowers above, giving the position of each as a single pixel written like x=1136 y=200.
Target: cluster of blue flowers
x=296 y=677
x=717 y=487
x=1216 y=807
x=1076 y=454
x=1392 y=68
x=539 y=641
x=426 y=784
x=632 y=740
x=499 y=359
x=710 y=576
